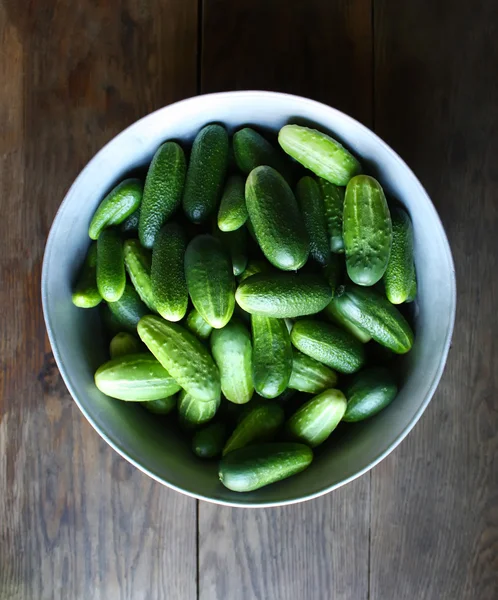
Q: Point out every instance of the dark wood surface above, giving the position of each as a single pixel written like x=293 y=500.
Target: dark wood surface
x=78 y=522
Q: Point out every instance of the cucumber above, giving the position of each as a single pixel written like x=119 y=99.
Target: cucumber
x=117 y=206
x=319 y=153
x=163 y=406
x=130 y=224
x=232 y=213
x=124 y=343
x=310 y=376
x=183 y=355
x=368 y=393
x=162 y=192
x=193 y=412
x=334 y=271
x=367 y=230
x=312 y=208
x=276 y=220
x=335 y=315
x=206 y=173
x=283 y=295
x=333 y=199
x=138 y=265
x=128 y=310
x=85 y=293
x=111 y=276
x=232 y=351
x=370 y=311
x=110 y=324
x=272 y=356
x=208 y=442
x=316 y=419
x=328 y=344
x=253 y=267
x=252 y=150
x=412 y=294
x=169 y=288
x=259 y=425
x=235 y=243
x=210 y=280
x=253 y=467
x=400 y=271
x=135 y=378
x=196 y=324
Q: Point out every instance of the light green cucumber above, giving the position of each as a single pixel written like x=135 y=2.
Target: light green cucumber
x=193 y=412
x=259 y=425
x=111 y=276
x=309 y=375
x=85 y=293
x=208 y=442
x=333 y=199
x=197 y=325
x=163 y=406
x=118 y=205
x=400 y=271
x=124 y=343
x=368 y=393
x=312 y=208
x=128 y=310
x=335 y=315
x=252 y=150
x=232 y=213
x=138 y=265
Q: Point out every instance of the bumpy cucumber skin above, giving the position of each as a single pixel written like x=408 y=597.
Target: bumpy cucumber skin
x=329 y=345
x=335 y=315
x=232 y=351
x=193 y=412
x=129 y=309
x=206 y=173
x=210 y=280
x=367 y=230
x=310 y=376
x=130 y=224
x=111 y=276
x=368 y=393
x=252 y=150
x=283 y=295
x=254 y=467
x=232 y=213
x=276 y=220
x=272 y=356
x=259 y=425
x=183 y=356
x=319 y=153
x=400 y=271
x=169 y=287
x=333 y=199
x=208 y=442
x=312 y=208
x=162 y=192
x=124 y=343
x=197 y=325
x=86 y=293
x=117 y=206
x=138 y=264
x=235 y=243
x=163 y=406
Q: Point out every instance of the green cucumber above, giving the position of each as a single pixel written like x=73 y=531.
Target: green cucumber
x=232 y=213
x=129 y=309
x=312 y=208
x=210 y=280
x=412 y=294
x=111 y=276
x=334 y=271
x=319 y=153
x=163 y=406
x=252 y=150
x=208 y=442
x=400 y=271
x=335 y=315
x=276 y=220
x=85 y=293
x=368 y=393
x=309 y=375
x=124 y=343
x=253 y=267
x=272 y=356
x=333 y=199
x=138 y=265
x=232 y=351
x=259 y=425
x=110 y=324
x=253 y=467
x=162 y=192
x=169 y=287
x=193 y=412
x=370 y=311
x=117 y=206
x=329 y=345
x=130 y=224
x=197 y=325
x=283 y=295
x=183 y=355
x=206 y=173
x=367 y=230
x=235 y=243
x=135 y=378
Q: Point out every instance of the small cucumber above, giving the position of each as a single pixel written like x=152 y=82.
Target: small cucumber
x=232 y=213
x=276 y=220
x=412 y=294
x=135 y=378
x=130 y=225
x=334 y=271
x=206 y=173
x=162 y=192
x=232 y=351
x=253 y=267
x=252 y=150
x=193 y=412
x=208 y=442
x=198 y=326
x=138 y=264
x=283 y=295
x=111 y=276
x=319 y=153
x=129 y=309
x=400 y=271
x=368 y=393
x=117 y=206
x=335 y=315
x=272 y=356
x=210 y=280
x=253 y=467
x=259 y=425
x=163 y=406
x=367 y=230
x=169 y=288
x=85 y=292
x=312 y=208
x=124 y=343
x=310 y=376
x=328 y=344
x=333 y=199
x=183 y=355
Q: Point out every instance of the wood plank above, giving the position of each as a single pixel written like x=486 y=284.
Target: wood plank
x=76 y=521
x=434 y=515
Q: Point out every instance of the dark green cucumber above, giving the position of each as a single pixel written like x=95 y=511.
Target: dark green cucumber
x=124 y=343
x=334 y=272
x=138 y=265
x=253 y=267
x=309 y=375
x=210 y=280
x=232 y=213
x=400 y=271
x=329 y=345
x=412 y=294
x=208 y=442
x=252 y=150
x=259 y=425
x=367 y=230
x=235 y=243
x=335 y=315
x=118 y=205
x=85 y=292
x=110 y=324
x=169 y=287
x=198 y=326
x=129 y=309
x=333 y=199
x=312 y=208
x=162 y=192
x=368 y=393
x=206 y=173
x=253 y=467
x=163 y=406
x=111 y=276
x=276 y=220
x=193 y=412
x=272 y=356
x=130 y=225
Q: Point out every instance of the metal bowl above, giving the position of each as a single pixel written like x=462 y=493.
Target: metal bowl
x=143 y=439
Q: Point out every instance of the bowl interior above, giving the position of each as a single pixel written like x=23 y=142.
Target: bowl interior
x=148 y=442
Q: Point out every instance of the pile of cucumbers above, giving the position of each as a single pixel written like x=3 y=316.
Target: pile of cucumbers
x=252 y=291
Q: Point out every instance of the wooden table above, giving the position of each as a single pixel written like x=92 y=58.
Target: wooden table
x=77 y=521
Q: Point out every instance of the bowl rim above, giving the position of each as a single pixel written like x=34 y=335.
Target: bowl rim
x=248 y=94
